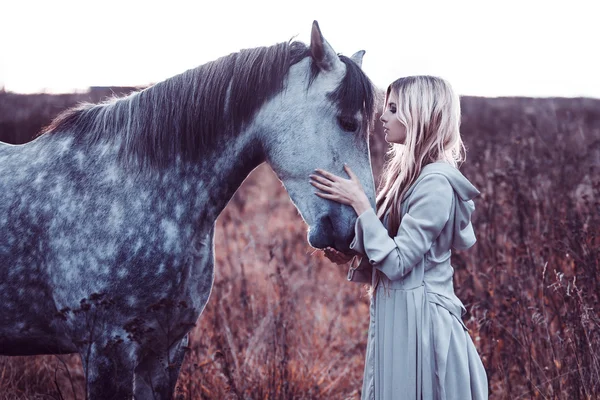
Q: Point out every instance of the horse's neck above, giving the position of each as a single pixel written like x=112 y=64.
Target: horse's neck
x=222 y=172
x=206 y=185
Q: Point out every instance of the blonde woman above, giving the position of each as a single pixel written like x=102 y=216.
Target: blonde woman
x=418 y=346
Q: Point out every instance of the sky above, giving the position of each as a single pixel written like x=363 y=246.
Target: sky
x=484 y=48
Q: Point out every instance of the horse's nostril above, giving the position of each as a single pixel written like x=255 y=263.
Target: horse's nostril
x=327 y=225
x=326 y=230
x=338 y=242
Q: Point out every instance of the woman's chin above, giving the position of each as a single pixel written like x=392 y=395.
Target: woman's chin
x=388 y=139
x=391 y=141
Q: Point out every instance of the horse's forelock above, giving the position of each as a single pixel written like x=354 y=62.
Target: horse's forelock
x=355 y=93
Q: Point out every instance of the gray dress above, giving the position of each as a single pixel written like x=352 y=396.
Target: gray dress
x=418 y=346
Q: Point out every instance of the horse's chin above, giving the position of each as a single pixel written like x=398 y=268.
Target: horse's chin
x=321 y=237
x=319 y=241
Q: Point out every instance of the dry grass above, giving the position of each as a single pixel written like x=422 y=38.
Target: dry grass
x=282 y=322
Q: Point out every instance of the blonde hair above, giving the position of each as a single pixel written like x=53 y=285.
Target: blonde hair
x=430 y=110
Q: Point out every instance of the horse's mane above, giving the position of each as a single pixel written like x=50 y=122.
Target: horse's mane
x=185 y=114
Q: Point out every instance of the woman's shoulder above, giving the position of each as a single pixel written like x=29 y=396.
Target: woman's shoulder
x=443 y=177
x=432 y=179
x=433 y=183
x=433 y=192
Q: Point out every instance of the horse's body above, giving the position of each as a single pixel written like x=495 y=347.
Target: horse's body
x=108 y=218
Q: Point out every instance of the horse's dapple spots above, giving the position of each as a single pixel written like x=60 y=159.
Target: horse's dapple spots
x=63 y=146
x=111 y=175
x=170 y=232
x=40 y=177
x=79 y=159
x=161 y=269
x=115 y=217
x=132 y=301
x=109 y=217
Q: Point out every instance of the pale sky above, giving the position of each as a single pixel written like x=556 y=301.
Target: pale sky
x=484 y=48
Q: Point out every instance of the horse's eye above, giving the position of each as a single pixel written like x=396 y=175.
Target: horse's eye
x=348 y=124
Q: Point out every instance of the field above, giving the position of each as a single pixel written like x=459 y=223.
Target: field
x=283 y=322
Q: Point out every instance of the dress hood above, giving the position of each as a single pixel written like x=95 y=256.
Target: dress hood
x=464 y=236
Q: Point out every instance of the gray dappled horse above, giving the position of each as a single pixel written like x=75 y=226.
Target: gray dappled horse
x=107 y=219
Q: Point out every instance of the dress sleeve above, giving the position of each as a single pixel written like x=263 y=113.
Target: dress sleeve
x=427 y=213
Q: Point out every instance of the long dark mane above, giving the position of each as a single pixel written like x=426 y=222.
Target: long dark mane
x=185 y=114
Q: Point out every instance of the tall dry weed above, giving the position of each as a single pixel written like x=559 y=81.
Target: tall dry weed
x=282 y=322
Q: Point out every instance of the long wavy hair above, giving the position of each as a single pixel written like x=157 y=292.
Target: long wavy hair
x=430 y=110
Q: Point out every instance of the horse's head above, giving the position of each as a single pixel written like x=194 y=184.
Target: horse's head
x=321 y=120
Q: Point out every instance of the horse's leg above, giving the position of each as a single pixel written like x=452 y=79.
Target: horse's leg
x=109 y=372
x=156 y=376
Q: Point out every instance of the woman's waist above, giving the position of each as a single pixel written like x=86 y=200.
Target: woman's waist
x=437 y=294
x=439 y=289
x=438 y=279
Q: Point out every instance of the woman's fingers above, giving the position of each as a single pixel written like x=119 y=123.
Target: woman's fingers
x=320 y=179
x=336 y=256
x=335 y=188
x=330 y=255
x=326 y=195
x=328 y=175
x=351 y=174
x=333 y=197
x=320 y=186
x=325 y=188
x=349 y=171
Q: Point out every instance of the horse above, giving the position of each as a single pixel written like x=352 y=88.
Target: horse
x=108 y=215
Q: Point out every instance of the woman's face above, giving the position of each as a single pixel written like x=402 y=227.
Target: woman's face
x=394 y=131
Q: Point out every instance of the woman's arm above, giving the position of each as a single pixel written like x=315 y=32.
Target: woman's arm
x=428 y=211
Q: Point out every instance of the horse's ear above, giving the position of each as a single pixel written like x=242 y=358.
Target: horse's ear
x=357 y=57
x=321 y=51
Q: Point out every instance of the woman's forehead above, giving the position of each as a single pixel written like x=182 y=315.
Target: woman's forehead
x=392 y=97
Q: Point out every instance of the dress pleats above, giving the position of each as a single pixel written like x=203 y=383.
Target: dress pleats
x=419 y=350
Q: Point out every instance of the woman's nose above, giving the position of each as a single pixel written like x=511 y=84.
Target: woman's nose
x=382 y=118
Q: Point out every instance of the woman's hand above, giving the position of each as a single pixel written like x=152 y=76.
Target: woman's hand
x=336 y=256
x=345 y=191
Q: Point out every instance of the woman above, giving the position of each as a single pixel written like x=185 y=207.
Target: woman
x=418 y=347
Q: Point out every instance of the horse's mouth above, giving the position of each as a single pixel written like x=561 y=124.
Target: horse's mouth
x=322 y=240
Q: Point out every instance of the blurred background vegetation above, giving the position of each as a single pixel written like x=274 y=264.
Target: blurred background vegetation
x=283 y=322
